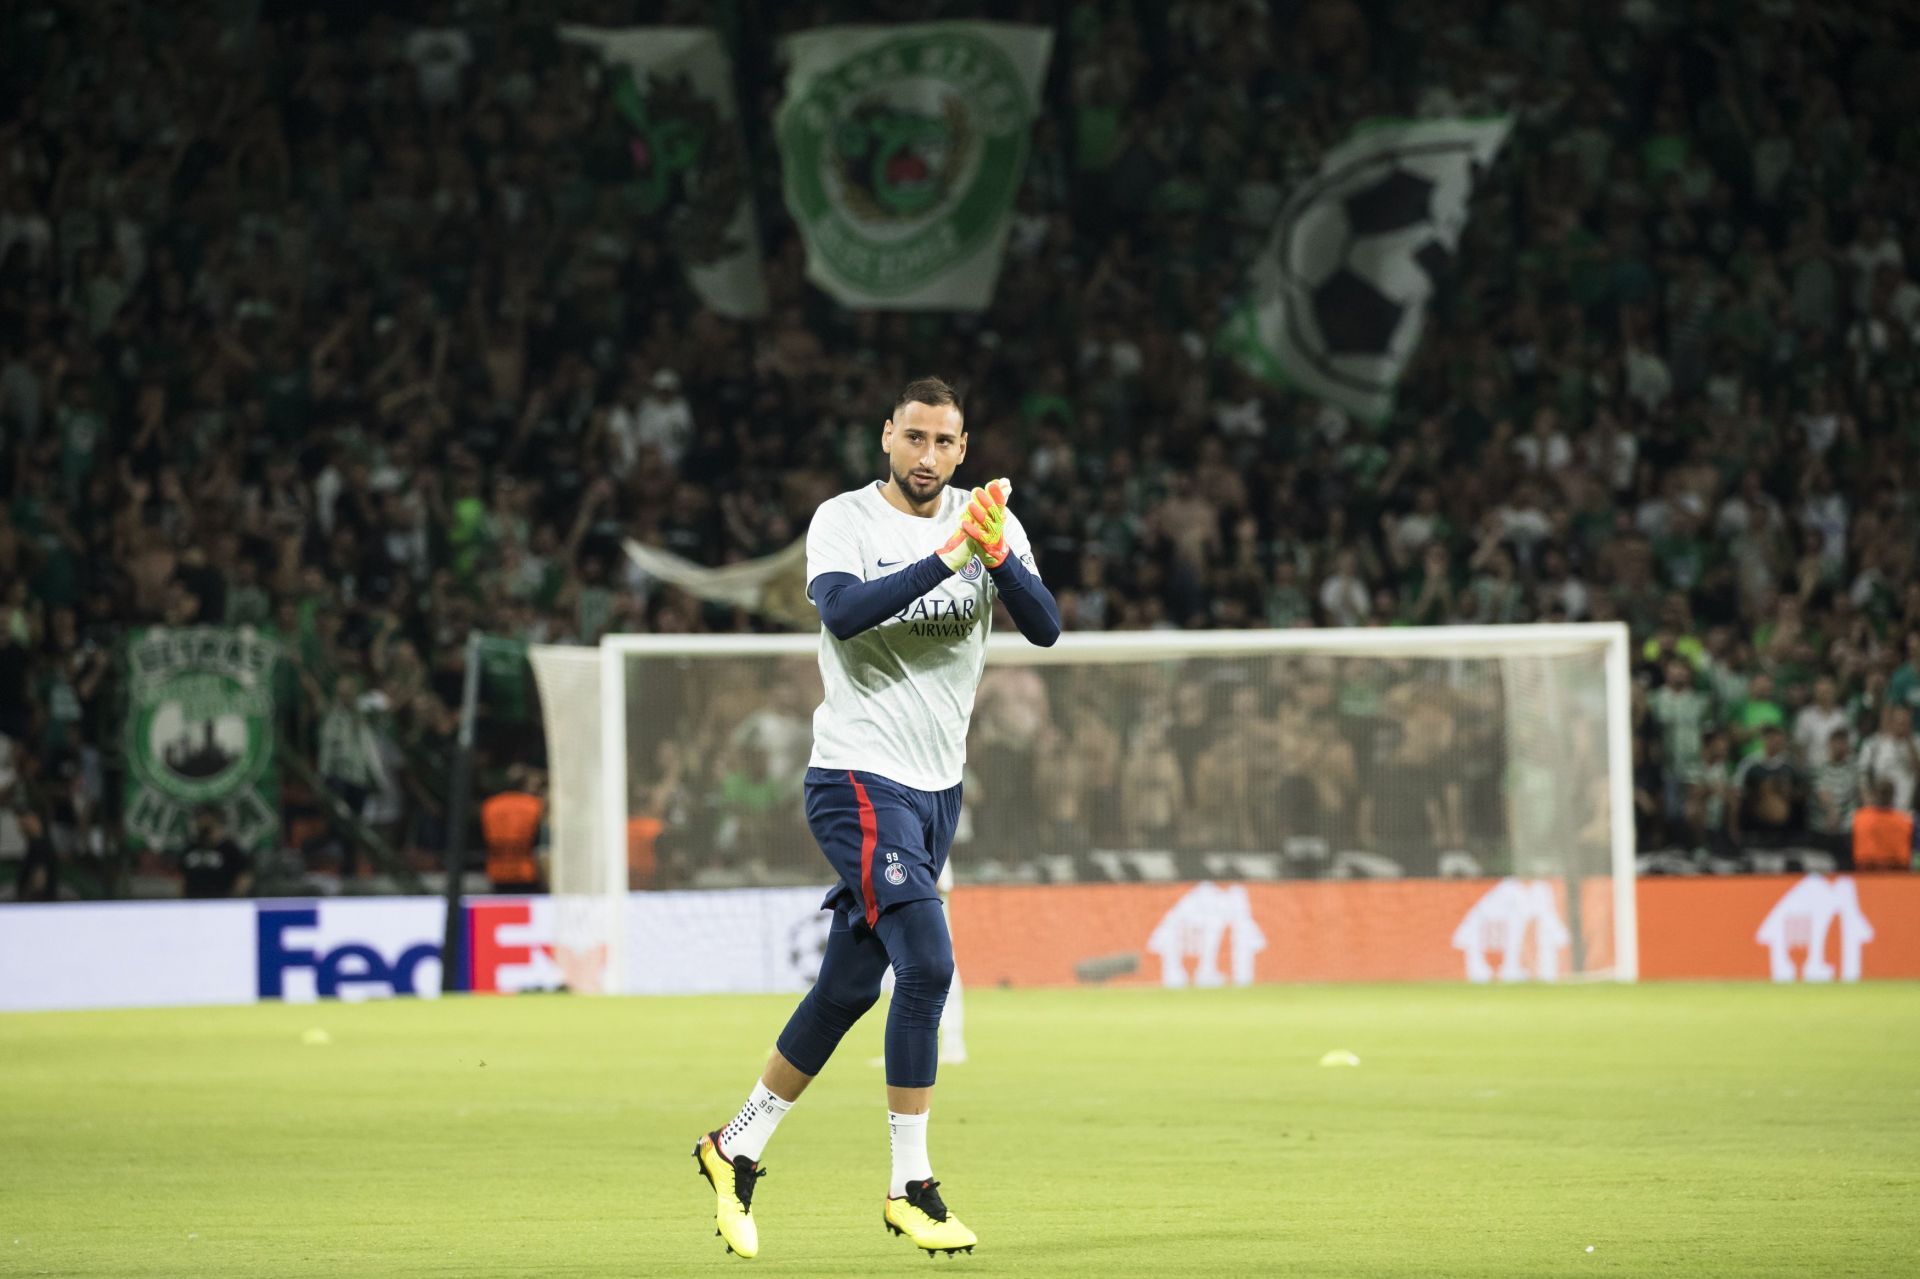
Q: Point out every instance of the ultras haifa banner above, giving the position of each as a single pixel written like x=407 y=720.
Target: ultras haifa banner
x=200 y=731
x=902 y=149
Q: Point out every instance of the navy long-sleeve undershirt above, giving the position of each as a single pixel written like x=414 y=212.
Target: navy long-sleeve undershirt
x=849 y=606
x=1029 y=603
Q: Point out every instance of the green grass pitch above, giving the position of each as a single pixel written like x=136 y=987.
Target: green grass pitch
x=1678 y=1130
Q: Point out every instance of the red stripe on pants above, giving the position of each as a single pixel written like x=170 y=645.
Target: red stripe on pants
x=869 y=836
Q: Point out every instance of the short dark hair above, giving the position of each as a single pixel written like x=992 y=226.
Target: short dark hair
x=928 y=390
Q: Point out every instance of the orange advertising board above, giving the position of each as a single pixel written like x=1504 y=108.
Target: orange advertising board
x=1216 y=934
x=1781 y=927
x=1211 y=934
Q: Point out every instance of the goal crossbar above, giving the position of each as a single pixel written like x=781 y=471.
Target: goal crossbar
x=1543 y=640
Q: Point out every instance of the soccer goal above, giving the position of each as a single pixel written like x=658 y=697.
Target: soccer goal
x=1178 y=808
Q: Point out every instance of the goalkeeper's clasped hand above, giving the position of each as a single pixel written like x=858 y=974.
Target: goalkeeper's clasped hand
x=983 y=528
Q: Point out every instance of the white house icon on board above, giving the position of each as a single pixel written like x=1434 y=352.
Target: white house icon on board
x=1499 y=923
x=1194 y=929
x=1802 y=919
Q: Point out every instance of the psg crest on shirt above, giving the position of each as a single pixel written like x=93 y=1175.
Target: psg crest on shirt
x=971 y=573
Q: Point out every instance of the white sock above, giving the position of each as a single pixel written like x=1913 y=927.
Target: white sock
x=909 y=1133
x=748 y=1133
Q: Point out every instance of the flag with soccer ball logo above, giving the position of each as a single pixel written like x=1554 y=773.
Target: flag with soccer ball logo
x=1339 y=293
x=671 y=90
x=902 y=149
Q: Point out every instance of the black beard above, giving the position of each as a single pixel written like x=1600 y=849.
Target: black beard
x=905 y=483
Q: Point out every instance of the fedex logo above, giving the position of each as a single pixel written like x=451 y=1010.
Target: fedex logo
x=376 y=947
x=362 y=951
x=509 y=946
x=512 y=944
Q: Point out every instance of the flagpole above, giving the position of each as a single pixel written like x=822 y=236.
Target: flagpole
x=453 y=956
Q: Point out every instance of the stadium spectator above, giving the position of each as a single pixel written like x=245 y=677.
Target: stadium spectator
x=1882 y=833
x=510 y=827
x=1344 y=597
x=1770 y=809
x=1710 y=797
x=1682 y=713
x=1834 y=787
x=348 y=752
x=32 y=801
x=1816 y=724
x=212 y=864
x=1892 y=755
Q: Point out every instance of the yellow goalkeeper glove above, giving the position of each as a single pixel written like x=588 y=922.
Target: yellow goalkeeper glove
x=985 y=521
x=958 y=550
x=982 y=529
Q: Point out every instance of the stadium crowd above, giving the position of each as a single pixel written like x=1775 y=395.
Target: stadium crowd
x=357 y=327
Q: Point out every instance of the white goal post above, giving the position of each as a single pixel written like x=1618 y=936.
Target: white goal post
x=1495 y=751
x=587 y=866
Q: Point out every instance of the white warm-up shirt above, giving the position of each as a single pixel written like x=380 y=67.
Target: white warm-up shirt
x=899 y=695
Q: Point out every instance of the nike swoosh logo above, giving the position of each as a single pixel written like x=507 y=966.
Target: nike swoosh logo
x=888 y=563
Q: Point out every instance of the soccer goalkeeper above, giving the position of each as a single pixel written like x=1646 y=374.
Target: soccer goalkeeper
x=904 y=573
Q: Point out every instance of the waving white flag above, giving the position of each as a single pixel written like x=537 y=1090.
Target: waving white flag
x=774 y=586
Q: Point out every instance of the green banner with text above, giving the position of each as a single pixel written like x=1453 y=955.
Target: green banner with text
x=200 y=732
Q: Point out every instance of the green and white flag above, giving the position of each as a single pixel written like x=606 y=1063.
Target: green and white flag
x=672 y=89
x=1339 y=293
x=902 y=150
x=200 y=731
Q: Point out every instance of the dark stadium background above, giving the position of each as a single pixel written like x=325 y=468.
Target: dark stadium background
x=294 y=335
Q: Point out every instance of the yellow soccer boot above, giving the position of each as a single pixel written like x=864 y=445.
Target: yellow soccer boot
x=732 y=1182
x=921 y=1216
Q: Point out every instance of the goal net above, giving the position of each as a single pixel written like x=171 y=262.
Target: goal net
x=1169 y=808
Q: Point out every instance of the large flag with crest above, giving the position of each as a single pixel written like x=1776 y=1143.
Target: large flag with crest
x=200 y=733
x=1339 y=293
x=672 y=91
x=902 y=149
